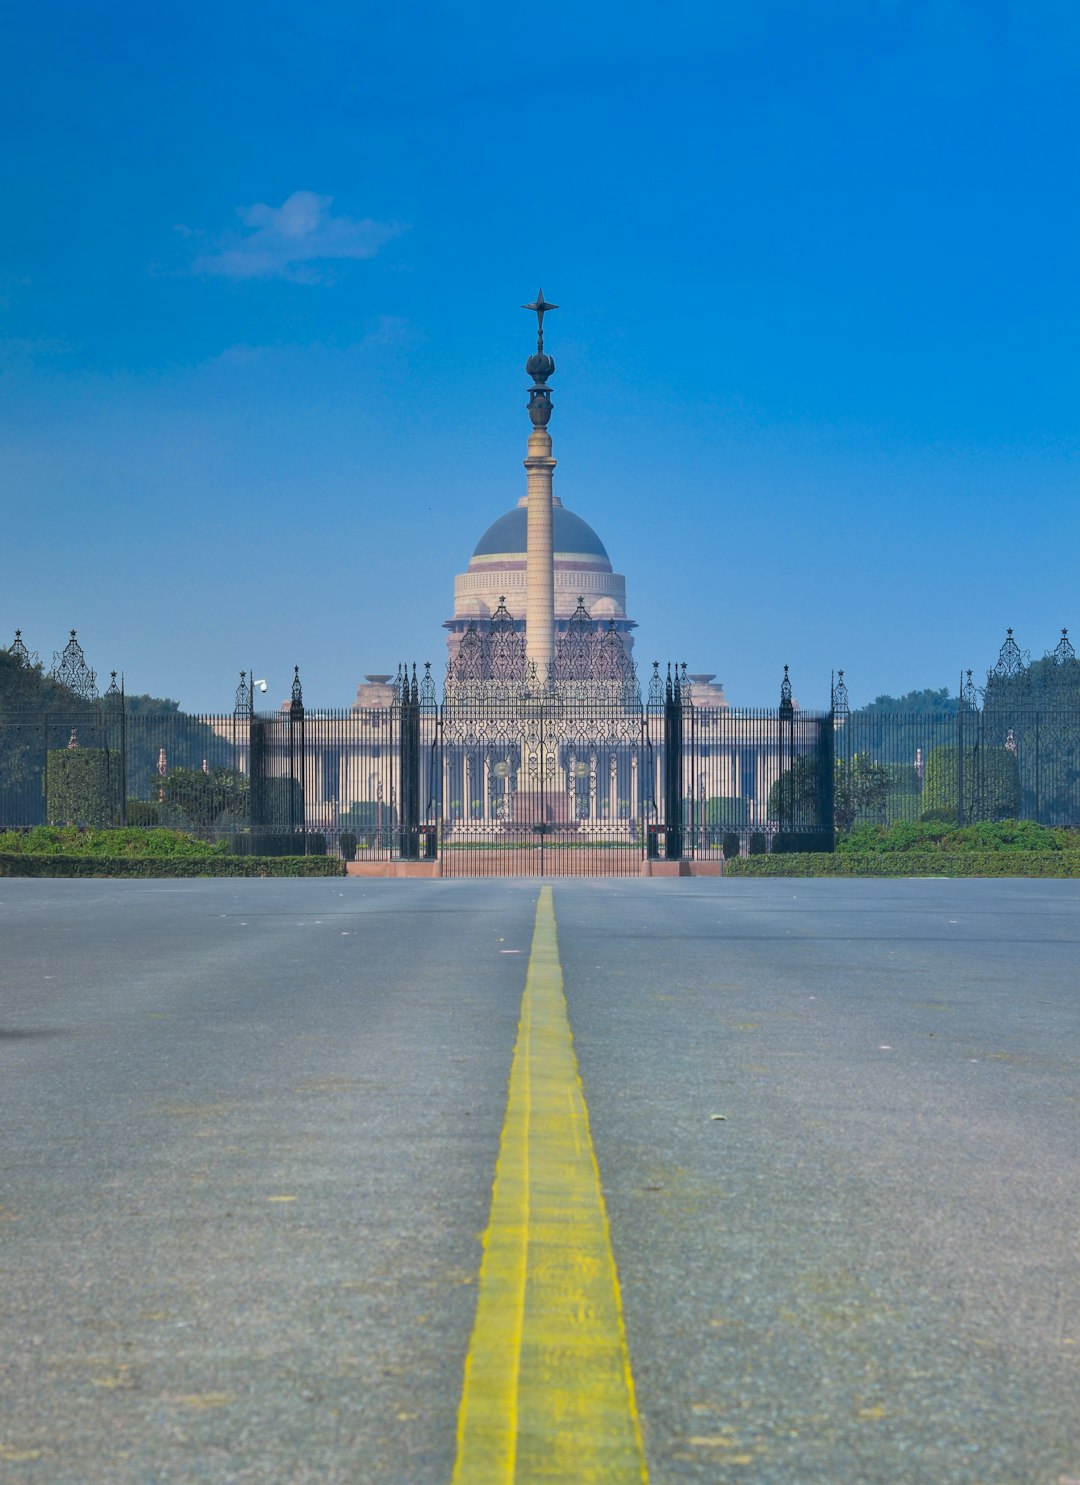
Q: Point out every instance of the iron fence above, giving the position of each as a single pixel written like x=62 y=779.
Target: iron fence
x=561 y=780
x=968 y=767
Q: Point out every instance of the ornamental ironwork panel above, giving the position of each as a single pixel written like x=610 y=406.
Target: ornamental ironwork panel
x=70 y=670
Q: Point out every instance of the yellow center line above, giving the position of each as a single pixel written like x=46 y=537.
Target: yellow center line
x=548 y=1393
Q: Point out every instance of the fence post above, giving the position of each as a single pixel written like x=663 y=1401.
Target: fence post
x=1037 y=768
x=826 y=779
x=787 y=746
x=296 y=759
x=673 y=738
x=410 y=768
x=960 y=756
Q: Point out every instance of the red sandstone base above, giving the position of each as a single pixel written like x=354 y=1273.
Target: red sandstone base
x=526 y=866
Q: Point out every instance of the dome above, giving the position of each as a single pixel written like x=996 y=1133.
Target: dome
x=573 y=536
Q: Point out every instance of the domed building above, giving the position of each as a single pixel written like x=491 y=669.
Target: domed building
x=496 y=575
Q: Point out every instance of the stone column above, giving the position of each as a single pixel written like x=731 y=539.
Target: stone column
x=540 y=558
x=540 y=552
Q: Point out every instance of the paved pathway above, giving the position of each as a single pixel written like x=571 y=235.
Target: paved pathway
x=249 y=1134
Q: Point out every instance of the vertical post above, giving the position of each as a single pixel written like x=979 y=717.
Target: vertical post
x=673 y=739
x=410 y=768
x=787 y=749
x=296 y=809
x=826 y=780
x=960 y=754
x=539 y=549
x=541 y=770
x=116 y=749
x=1036 y=769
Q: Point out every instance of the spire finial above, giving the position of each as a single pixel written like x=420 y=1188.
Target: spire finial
x=541 y=307
x=540 y=366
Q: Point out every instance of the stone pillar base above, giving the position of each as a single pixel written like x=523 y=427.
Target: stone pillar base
x=393 y=869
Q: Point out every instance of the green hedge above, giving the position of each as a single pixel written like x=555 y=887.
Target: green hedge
x=991 y=781
x=81 y=786
x=170 y=866
x=129 y=841
x=924 y=835
x=911 y=864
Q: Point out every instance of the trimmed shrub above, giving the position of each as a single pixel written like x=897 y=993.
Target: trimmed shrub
x=127 y=841
x=758 y=845
x=142 y=813
x=731 y=845
x=946 y=835
x=913 y=864
x=79 y=787
x=170 y=866
x=347 y=845
x=991 y=783
x=788 y=842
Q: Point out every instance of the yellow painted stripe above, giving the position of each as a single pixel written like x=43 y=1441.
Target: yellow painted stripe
x=548 y=1394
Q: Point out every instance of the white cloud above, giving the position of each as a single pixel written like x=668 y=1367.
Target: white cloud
x=291 y=240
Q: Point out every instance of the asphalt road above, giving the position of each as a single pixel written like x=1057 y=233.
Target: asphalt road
x=248 y=1133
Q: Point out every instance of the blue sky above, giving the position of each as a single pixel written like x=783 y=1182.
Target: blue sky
x=261 y=350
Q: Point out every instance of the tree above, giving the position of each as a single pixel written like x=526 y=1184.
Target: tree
x=82 y=787
x=794 y=799
x=990 y=780
x=926 y=702
x=37 y=714
x=205 y=799
x=1033 y=709
x=860 y=787
x=140 y=704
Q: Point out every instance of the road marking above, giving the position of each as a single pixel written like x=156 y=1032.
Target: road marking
x=548 y=1394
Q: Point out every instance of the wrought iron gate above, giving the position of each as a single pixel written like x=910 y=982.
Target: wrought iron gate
x=544 y=783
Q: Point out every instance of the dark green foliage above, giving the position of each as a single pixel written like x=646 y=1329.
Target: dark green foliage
x=793 y=798
x=278 y=843
x=347 y=845
x=81 y=787
x=896 y=726
x=731 y=845
x=1046 y=685
x=922 y=703
x=220 y=796
x=912 y=864
x=758 y=844
x=186 y=742
x=787 y=842
x=860 y=786
x=152 y=706
x=52 y=840
x=1039 y=710
x=923 y=836
x=36 y=714
x=277 y=804
x=143 y=812
x=265 y=843
x=170 y=866
x=991 y=783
